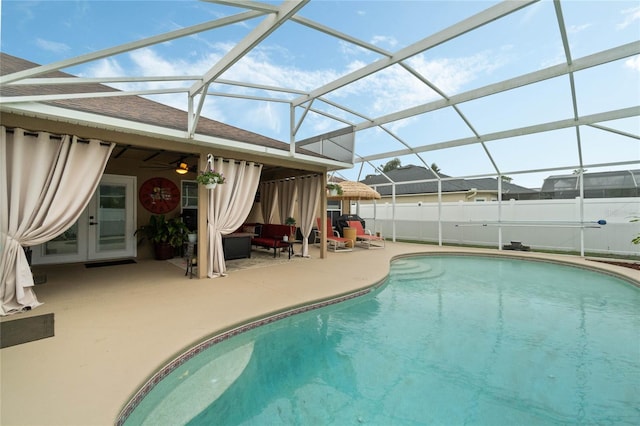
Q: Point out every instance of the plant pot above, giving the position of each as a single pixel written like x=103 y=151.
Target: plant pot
x=192 y=238
x=163 y=251
x=211 y=185
x=333 y=192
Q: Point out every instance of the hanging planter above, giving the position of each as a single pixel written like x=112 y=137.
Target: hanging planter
x=334 y=189
x=209 y=177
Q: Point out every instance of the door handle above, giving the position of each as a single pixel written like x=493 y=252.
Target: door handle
x=93 y=223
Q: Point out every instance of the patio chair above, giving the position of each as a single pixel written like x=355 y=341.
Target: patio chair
x=364 y=237
x=335 y=242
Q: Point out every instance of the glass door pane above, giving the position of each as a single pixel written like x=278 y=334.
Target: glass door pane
x=189 y=194
x=111 y=220
x=104 y=230
x=66 y=243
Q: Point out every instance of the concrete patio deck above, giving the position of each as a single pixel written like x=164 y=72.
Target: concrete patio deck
x=115 y=326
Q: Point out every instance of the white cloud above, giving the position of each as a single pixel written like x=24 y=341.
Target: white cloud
x=261 y=69
x=574 y=29
x=386 y=40
x=394 y=88
x=52 y=46
x=145 y=59
x=530 y=13
x=350 y=49
x=265 y=116
x=25 y=9
x=630 y=16
x=148 y=62
x=389 y=90
x=108 y=67
x=633 y=63
x=386 y=91
x=451 y=74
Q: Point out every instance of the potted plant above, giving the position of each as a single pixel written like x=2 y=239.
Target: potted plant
x=291 y=221
x=334 y=189
x=166 y=235
x=210 y=178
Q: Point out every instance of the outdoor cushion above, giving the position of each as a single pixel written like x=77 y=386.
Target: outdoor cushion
x=271 y=236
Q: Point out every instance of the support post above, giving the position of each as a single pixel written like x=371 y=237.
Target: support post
x=500 y=212
x=440 y=212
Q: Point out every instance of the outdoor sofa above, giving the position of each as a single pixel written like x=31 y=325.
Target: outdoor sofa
x=271 y=236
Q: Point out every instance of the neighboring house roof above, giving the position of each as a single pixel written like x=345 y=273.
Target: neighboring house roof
x=131 y=108
x=616 y=179
x=491 y=184
x=412 y=173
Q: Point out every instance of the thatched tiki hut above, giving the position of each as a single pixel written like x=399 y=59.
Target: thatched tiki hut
x=354 y=191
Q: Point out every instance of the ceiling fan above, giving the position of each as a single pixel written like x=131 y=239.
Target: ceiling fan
x=182 y=163
x=180 y=166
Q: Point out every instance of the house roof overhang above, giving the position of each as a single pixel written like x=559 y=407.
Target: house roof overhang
x=91 y=120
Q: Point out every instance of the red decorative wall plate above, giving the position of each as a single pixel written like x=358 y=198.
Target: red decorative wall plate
x=159 y=195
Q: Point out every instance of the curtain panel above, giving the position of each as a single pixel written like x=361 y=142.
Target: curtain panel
x=46 y=181
x=309 y=190
x=287 y=193
x=229 y=206
x=268 y=199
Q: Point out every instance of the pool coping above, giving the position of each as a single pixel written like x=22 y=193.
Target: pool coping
x=221 y=335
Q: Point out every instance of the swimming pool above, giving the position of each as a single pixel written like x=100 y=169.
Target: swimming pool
x=446 y=340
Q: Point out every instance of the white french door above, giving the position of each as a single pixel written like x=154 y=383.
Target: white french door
x=104 y=230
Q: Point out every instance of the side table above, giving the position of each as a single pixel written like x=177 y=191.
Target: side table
x=190 y=253
x=293 y=252
x=350 y=233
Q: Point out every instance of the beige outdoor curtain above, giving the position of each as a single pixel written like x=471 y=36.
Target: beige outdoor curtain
x=229 y=205
x=287 y=192
x=309 y=190
x=46 y=182
x=268 y=198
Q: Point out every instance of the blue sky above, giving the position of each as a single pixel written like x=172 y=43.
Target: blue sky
x=298 y=57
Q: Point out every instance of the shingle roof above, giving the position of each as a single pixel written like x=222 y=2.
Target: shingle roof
x=415 y=173
x=614 y=179
x=133 y=108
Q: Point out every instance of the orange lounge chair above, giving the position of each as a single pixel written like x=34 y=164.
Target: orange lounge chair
x=364 y=237
x=335 y=242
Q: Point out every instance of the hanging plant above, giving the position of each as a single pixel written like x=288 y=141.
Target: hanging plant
x=334 y=189
x=209 y=177
x=206 y=177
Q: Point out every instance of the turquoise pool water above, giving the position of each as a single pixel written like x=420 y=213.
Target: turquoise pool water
x=446 y=340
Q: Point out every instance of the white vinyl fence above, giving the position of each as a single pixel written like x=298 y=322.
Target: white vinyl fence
x=540 y=224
